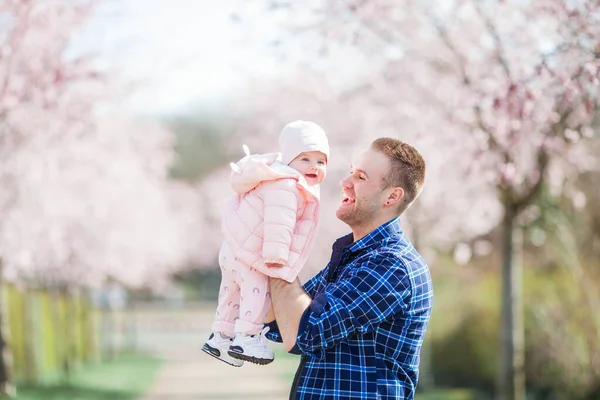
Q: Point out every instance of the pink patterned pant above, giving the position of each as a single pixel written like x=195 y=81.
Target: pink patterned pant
x=244 y=297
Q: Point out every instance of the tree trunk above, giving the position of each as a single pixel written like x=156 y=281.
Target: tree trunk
x=69 y=356
x=6 y=386
x=511 y=377
x=31 y=367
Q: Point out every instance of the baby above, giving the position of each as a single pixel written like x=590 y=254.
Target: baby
x=269 y=227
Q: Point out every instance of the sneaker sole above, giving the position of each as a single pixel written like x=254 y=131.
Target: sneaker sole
x=216 y=353
x=250 y=359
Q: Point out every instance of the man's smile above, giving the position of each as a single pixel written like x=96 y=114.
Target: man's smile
x=347 y=199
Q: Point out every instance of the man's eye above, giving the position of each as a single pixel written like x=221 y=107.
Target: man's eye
x=321 y=162
x=305 y=159
x=357 y=174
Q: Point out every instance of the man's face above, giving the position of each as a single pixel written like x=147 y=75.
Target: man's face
x=364 y=196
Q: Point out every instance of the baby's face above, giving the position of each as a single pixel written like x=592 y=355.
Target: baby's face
x=312 y=164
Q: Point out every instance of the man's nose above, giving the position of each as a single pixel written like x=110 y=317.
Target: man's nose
x=345 y=182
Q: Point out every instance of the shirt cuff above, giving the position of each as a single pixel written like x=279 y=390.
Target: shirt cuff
x=301 y=327
x=316 y=306
x=273 y=334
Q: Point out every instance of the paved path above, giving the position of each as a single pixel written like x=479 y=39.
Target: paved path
x=190 y=374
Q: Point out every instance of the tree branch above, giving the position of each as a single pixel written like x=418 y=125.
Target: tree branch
x=499 y=45
x=542 y=164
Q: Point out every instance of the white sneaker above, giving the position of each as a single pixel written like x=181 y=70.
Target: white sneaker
x=252 y=348
x=217 y=346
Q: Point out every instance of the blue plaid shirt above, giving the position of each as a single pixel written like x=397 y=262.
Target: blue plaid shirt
x=362 y=334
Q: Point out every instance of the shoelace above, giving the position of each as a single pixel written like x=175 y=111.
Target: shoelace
x=261 y=336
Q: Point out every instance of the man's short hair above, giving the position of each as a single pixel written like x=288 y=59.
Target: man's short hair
x=407 y=169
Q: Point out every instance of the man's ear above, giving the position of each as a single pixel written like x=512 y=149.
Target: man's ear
x=395 y=196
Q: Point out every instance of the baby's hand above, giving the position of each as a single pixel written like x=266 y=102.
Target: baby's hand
x=274 y=265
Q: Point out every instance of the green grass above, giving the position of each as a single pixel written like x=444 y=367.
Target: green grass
x=124 y=378
x=449 y=394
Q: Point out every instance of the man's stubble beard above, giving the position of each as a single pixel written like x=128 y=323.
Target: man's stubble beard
x=358 y=215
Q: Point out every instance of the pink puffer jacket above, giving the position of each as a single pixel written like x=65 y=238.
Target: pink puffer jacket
x=273 y=217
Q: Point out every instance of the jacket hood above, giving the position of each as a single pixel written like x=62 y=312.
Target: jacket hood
x=253 y=169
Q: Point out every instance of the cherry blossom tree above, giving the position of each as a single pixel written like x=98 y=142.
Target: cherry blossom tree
x=80 y=188
x=93 y=209
x=507 y=90
x=34 y=84
x=85 y=193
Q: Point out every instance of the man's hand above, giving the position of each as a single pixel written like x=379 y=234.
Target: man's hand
x=274 y=265
x=289 y=303
x=270 y=315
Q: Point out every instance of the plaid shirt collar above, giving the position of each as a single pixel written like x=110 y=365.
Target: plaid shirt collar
x=387 y=230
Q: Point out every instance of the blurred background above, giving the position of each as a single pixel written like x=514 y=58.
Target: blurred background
x=118 y=120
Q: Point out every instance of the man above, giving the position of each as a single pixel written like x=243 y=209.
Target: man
x=359 y=323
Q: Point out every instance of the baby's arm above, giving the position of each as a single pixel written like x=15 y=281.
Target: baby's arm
x=280 y=202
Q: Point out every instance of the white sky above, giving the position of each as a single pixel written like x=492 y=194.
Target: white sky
x=190 y=52
x=180 y=51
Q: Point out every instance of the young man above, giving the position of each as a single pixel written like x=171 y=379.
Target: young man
x=359 y=323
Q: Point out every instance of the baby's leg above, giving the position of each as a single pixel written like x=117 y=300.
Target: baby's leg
x=254 y=302
x=229 y=295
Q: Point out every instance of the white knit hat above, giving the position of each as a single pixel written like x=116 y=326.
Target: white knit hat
x=299 y=137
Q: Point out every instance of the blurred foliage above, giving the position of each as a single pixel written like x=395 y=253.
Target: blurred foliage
x=49 y=334
x=124 y=378
x=561 y=298
x=199 y=284
x=562 y=343
x=451 y=394
x=200 y=146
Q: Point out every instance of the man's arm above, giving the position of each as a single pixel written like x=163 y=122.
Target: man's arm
x=270 y=315
x=376 y=289
x=290 y=302
x=310 y=287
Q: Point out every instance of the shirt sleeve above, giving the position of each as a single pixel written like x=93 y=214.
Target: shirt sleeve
x=273 y=334
x=313 y=284
x=375 y=290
